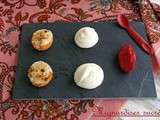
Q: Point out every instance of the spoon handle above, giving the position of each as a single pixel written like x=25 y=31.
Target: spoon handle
x=140 y=41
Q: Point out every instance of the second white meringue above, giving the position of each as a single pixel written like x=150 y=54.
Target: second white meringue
x=89 y=76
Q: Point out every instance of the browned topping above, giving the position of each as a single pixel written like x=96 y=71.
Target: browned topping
x=42 y=70
x=45 y=79
x=31 y=69
x=30 y=75
x=38 y=41
x=40 y=74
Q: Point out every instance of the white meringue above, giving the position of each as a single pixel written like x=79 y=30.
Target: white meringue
x=86 y=37
x=89 y=76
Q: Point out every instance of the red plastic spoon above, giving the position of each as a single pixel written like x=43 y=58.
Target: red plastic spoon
x=123 y=22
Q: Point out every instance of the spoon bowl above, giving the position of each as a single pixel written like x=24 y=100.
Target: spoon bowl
x=123 y=21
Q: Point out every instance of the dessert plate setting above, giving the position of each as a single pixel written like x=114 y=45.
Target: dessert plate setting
x=83 y=60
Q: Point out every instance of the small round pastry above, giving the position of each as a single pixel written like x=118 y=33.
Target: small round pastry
x=40 y=74
x=86 y=37
x=89 y=76
x=42 y=39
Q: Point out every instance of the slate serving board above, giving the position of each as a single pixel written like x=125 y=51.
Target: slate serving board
x=64 y=57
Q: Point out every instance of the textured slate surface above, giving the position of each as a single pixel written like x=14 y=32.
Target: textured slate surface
x=64 y=57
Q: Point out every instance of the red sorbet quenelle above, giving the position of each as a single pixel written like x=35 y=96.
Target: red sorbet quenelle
x=127 y=57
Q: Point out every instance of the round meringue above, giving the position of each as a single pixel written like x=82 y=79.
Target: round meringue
x=89 y=76
x=86 y=37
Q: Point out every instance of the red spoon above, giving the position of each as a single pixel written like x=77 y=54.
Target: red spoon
x=123 y=22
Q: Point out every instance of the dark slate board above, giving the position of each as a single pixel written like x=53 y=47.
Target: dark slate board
x=64 y=57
